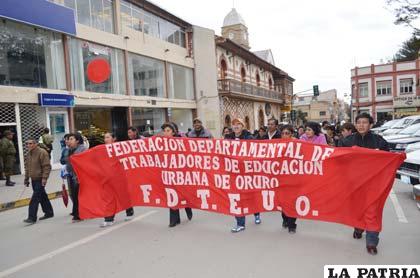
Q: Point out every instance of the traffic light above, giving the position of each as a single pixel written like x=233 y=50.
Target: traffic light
x=293 y=115
x=316 y=90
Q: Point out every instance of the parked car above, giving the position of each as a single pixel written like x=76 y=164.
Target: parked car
x=409 y=173
x=405 y=122
x=412 y=147
x=385 y=126
x=399 y=145
x=404 y=133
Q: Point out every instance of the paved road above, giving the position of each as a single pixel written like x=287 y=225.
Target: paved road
x=204 y=247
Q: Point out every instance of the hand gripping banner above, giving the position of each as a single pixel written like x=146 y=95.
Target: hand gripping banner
x=342 y=185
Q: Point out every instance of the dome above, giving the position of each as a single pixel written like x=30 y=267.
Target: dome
x=233 y=18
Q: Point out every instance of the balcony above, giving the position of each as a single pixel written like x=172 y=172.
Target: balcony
x=230 y=87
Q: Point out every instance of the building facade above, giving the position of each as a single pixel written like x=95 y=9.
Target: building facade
x=325 y=107
x=93 y=66
x=386 y=91
x=250 y=86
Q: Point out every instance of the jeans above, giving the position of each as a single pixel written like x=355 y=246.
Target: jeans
x=129 y=212
x=39 y=197
x=240 y=220
x=74 y=193
x=372 y=238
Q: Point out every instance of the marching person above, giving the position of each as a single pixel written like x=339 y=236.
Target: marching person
x=273 y=131
x=313 y=134
x=8 y=154
x=366 y=139
x=110 y=138
x=46 y=141
x=240 y=133
x=170 y=130
x=287 y=132
x=133 y=133
x=37 y=170
x=300 y=131
x=329 y=135
x=199 y=131
x=347 y=129
x=76 y=146
x=261 y=134
x=226 y=130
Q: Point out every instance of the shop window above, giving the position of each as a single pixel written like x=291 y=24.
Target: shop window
x=30 y=57
x=148 y=120
x=96 y=68
x=180 y=82
x=183 y=118
x=146 y=76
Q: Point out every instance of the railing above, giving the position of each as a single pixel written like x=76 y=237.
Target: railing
x=234 y=86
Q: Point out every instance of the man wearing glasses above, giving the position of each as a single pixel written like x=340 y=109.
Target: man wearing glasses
x=37 y=168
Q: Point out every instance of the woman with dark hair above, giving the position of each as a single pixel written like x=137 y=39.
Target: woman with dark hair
x=226 y=130
x=300 y=131
x=170 y=130
x=313 y=134
x=75 y=141
x=261 y=134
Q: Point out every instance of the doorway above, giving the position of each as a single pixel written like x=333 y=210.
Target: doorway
x=59 y=125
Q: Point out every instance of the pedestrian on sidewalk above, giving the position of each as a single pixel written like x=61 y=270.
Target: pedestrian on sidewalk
x=240 y=133
x=366 y=139
x=110 y=138
x=37 y=170
x=170 y=130
x=8 y=154
x=76 y=146
x=46 y=141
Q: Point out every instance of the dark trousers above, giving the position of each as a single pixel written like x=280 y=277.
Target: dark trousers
x=74 y=193
x=240 y=220
x=174 y=217
x=39 y=197
x=372 y=238
x=129 y=212
x=290 y=221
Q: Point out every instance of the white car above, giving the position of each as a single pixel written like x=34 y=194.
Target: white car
x=405 y=122
x=412 y=147
x=409 y=173
x=385 y=126
x=404 y=133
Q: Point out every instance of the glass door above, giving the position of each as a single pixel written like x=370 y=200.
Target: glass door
x=58 y=122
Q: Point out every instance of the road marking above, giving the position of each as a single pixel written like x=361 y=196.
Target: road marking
x=398 y=209
x=72 y=245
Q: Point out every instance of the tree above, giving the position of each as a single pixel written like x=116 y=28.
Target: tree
x=409 y=50
x=406 y=12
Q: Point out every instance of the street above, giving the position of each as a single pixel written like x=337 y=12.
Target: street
x=204 y=247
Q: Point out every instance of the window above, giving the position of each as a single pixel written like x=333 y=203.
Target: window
x=383 y=88
x=98 y=14
x=148 y=120
x=96 y=68
x=146 y=76
x=30 y=57
x=322 y=113
x=140 y=20
x=406 y=86
x=363 y=90
x=301 y=99
x=180 y=82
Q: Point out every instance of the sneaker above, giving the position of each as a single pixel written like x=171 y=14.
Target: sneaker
x=107 y=224
x=29 y=221
x=46 y=216
x=129 y=217
x=292 y=230
x=372 y=250
x=257 y=220
x=76 y=220
x=357 y=234
x=237 y=229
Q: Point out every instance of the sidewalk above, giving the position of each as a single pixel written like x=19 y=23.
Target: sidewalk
x=19 y=195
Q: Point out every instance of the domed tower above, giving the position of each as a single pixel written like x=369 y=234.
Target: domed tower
x=234 y=28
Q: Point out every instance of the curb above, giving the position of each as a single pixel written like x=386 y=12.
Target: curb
x=25 y=202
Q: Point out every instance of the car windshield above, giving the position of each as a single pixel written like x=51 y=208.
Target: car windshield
x=403 y=123
x=410 y=130
x=389 y=124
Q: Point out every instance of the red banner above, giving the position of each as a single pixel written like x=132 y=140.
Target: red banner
x=343 y=185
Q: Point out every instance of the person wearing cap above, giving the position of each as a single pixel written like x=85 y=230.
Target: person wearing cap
x=170 y=129
x=8 y=154
x=240 y=133
x=199 y=131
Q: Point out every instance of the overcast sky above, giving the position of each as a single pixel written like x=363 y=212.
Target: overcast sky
x=316 y=42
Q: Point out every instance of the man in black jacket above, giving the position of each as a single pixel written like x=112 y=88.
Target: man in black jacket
x=273 y=129
x=366 y=139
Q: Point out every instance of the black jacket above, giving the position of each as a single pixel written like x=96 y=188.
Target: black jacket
x=370 y=141
x=277 y=135
x=244 y=135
